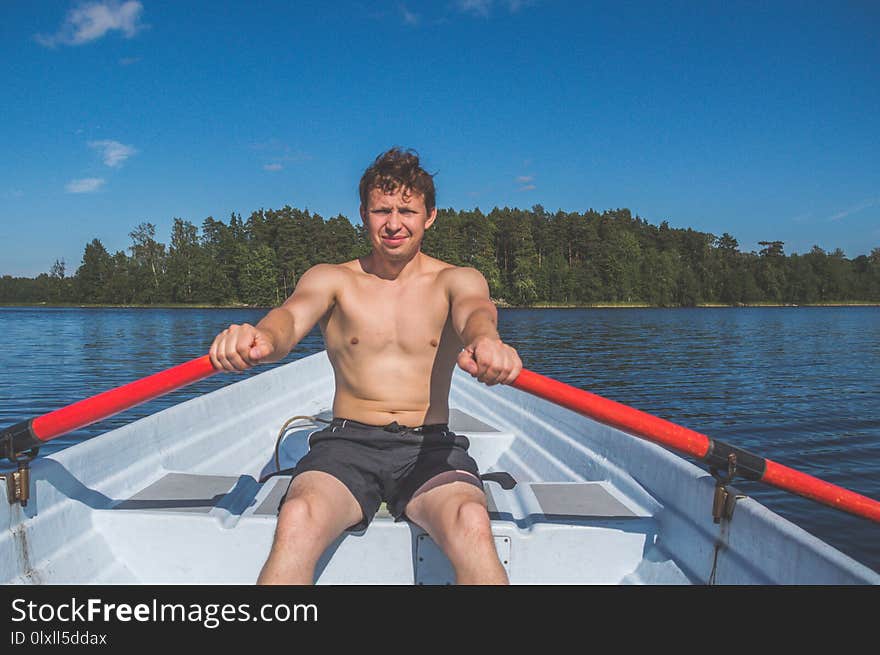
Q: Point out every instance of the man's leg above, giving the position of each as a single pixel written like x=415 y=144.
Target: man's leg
x=453 y=512
x=317 y=510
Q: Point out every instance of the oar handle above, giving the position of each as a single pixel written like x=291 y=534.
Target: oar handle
x=34 y=432
x=715 y=453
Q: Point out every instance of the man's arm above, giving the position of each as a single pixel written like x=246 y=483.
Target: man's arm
x=473 y=312
x=240 y=347
x=313 y=296
x=475 y=319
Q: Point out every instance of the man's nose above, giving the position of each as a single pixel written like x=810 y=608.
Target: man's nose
x=393 y=224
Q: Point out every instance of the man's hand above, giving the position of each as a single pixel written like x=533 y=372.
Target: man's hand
x=240 y=347
x=490 y=361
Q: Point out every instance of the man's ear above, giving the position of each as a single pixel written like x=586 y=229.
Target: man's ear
x=363 y=213
x=432 y=216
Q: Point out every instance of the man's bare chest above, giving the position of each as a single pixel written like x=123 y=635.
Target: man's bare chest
x=386 y=318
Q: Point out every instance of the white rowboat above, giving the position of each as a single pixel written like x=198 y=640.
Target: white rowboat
x=177 y=498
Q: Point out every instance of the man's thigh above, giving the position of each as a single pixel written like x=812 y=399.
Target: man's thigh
x=435 y=504
x=331 y=505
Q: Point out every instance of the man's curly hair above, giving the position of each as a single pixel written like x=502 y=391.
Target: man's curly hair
x=398 y=169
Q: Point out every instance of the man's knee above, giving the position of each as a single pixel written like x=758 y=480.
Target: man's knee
x=462 y=524
x=318 y=503
x=296 y=518
x=472 y=518
x=309 y=516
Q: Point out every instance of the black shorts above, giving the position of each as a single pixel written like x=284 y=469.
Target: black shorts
x=385 y=463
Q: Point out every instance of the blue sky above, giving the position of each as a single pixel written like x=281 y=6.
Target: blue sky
x=757 y=119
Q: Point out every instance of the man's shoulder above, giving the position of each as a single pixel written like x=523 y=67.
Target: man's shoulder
x=462 y=279
x=453 y=272
x=324 y=270
x=327 y=277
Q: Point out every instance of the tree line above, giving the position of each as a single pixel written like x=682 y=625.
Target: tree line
x=527 y=256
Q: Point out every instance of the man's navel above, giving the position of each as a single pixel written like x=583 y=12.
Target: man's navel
x=354 y=341
x=434 y=342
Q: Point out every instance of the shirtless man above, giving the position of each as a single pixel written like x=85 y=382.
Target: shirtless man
x=394 y=323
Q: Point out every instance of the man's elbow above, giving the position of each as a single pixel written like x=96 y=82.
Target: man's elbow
x=482 y=320
x=279 y=325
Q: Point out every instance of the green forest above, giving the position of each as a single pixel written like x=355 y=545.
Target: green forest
x=529 y=257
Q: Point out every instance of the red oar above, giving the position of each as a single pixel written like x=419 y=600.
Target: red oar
x=715 y=453
x=34 y=432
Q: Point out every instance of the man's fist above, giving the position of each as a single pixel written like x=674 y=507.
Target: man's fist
x=240 y=347
x=490 y=361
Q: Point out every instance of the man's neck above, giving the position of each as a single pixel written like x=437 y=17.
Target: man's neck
x=391 y=270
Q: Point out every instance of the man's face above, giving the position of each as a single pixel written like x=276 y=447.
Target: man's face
x=396 y=222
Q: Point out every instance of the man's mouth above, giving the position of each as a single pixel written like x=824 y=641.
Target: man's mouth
x=393 y=241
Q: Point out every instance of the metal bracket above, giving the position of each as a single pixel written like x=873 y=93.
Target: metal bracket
x=18 y=482
x=724 y=502
x=18 y=485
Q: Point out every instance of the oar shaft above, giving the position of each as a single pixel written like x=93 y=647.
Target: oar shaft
x=714 y=452
x=826 y=493
x=615 y=414
x=37 y=431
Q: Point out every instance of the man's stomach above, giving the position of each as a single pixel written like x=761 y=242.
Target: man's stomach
x=378 y=412
x=380 y=395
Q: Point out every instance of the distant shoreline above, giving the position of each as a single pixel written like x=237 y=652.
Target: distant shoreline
x=499 y=304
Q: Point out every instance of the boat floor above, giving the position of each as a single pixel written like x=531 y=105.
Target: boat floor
x=218 y=529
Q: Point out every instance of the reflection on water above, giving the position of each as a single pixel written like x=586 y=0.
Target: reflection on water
x=796 y=385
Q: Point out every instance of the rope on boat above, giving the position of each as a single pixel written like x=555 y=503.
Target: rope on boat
x=284 y=429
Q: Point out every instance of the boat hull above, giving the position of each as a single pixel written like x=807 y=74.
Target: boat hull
x=176 y=498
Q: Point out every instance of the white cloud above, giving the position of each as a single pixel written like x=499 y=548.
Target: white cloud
x=113 y=152
x=272 y=144
x=476 y=7
x=525 y=182
x=409 y=17
x=85 y=185
x=278 y=152
x=853 y=210
x=273 y=167
x=92 y=20
x=483 y=7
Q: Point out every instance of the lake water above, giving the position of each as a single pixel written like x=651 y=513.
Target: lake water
x=796 y=385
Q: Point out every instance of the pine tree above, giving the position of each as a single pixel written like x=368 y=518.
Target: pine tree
x=216 y=243
x=258 y=277
x=93 y=275
x=187 y=270
x=477 y=247
x=150 y=261
x=525 y=261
